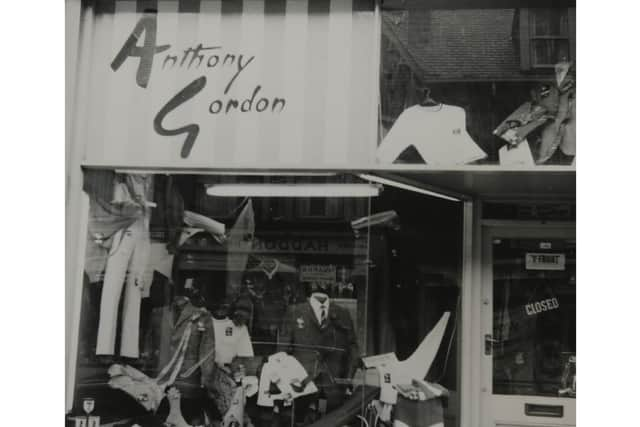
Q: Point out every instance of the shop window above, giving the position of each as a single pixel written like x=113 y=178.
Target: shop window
x=186 y=290
x=547 y=37
x=477 y=86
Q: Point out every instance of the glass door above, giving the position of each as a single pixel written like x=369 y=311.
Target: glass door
x=530 y=327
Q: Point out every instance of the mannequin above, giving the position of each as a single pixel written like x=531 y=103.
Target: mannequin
x=233 y=345
x=126 y=266
x=233 y=342
x=321 y=336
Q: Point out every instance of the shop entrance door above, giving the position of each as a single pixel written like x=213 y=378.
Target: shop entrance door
x=529 y=326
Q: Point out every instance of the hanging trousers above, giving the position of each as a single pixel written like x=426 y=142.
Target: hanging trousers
x=129 y=252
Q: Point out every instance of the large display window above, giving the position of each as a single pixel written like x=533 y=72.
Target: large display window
x=213 y=299
x=494 y=84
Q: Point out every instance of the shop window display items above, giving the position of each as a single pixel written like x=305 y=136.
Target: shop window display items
x=218 y=326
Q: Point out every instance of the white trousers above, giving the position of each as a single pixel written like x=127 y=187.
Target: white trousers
x=129 y=252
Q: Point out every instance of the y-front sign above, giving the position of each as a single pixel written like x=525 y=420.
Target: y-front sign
x=290 y=87
x=545 y=261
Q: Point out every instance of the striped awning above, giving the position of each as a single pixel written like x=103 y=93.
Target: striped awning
x=233 y=83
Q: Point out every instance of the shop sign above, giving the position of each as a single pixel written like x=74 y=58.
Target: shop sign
x=318 y=272
x=222 y=87
x=545 y=261
x=541 y=306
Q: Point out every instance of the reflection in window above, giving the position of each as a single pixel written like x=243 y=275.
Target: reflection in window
x=534 y=323
x=496 y=84
x=550 y=37
x=190 y=297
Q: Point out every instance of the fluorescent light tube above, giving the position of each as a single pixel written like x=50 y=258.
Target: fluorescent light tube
x=269 y=173
x=293 y=190
x=404 y=186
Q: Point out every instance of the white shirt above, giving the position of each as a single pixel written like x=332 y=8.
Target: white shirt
x=283 y=370
x=317 y=307
x=439 y=133
x=231 y=341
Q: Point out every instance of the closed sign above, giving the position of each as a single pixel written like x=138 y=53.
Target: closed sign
x=545 y=261
x=541 y=306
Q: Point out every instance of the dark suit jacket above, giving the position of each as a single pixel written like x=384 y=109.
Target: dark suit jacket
x=301 y=327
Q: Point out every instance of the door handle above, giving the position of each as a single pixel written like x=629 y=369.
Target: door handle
x=488 y=344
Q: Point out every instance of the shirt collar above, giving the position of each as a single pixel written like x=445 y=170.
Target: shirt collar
x=316 y=305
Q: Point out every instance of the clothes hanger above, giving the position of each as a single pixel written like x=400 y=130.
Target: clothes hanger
x=427 y=101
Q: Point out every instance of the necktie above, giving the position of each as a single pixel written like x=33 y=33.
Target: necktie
x=323 y=316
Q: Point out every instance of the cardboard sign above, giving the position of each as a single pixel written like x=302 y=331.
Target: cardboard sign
x=538 y=307
x=545 y=261
x=318 y=272
x=379 y=360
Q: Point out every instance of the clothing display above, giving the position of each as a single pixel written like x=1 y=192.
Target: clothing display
x=105 y=220
x=568 y=143
x=415 y=367
x=168 y=326
x=231 y=341
x=235 y=415
x=145 y=390
x=129 y=253
x=320 y=309
x=439 y=133
x=330 y=348
x=213 y=227
x=527 y=118
x=221 y=388
x=289 y=377
x=551 y=112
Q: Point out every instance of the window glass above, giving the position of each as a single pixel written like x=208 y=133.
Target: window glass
x=477 y=86
x=534 y=317
x=550 y=22
x=195 y=291
x=550 y=51
x=187 y=292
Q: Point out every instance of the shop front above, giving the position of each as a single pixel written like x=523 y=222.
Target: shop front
x=267 y=228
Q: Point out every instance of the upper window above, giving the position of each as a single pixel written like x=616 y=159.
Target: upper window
x=547 y=37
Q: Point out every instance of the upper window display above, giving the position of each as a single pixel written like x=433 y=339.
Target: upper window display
x=469 y=87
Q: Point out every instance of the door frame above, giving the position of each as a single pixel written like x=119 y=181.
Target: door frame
x=514 y=413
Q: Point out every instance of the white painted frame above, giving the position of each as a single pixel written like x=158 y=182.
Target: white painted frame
x=78 y=27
